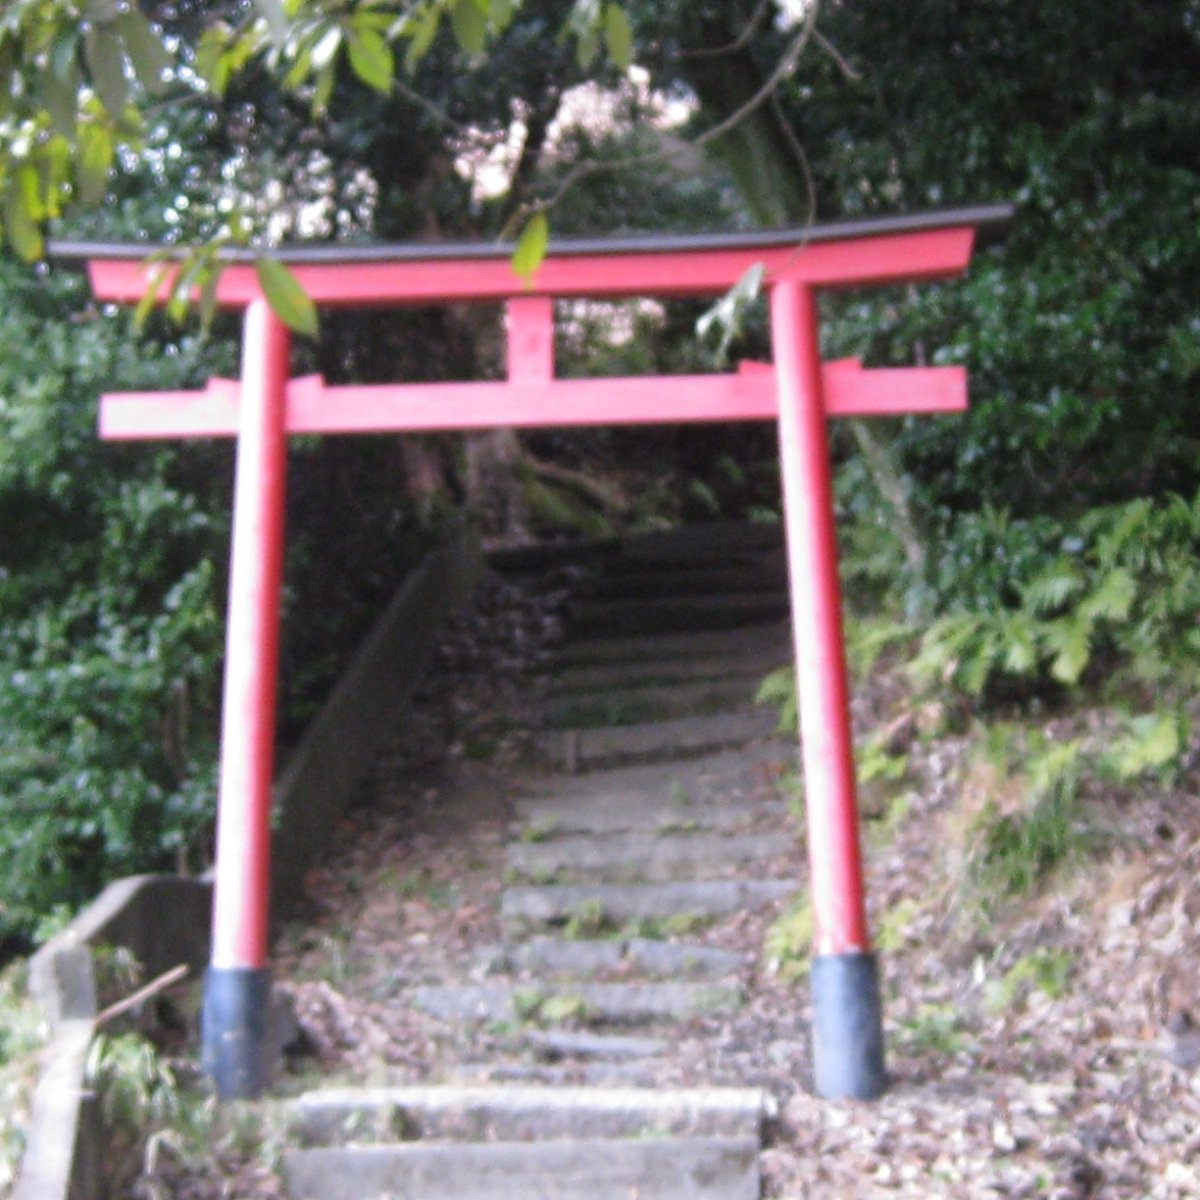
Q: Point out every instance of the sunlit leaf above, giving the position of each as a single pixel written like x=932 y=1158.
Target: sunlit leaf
x=287 y=298
x=469 y=25
x=211 y=60
x=150 y=297
x=95 y=160
x=145 y=49
x=106 y=63
x=618 y=36
x=20 y=219
x=323 y=91
x=421 y=30
x=276 y=17
x=371 y=59
x=61 y=98
x=64 y=60
x=531 y=247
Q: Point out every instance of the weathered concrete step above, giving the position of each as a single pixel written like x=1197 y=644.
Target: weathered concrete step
x=511 y=1113
x=634 y=856
x=672 y=614
x=664 y=1169
x=620 y=903
x=625 y=706
x=590 y=749
x=765 y=572
x=591 y=1003
x=716 y=541
x=556 y=958
x=553 y=1045
x=609 y=815
x=667 y=647
x=688 y=783
x=752 y=666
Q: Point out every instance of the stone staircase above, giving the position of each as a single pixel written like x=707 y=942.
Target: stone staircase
x=651 y=822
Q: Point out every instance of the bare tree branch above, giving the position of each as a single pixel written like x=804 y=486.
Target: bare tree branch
x=733 y=47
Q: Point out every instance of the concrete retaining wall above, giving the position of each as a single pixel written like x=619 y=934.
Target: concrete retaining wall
x=163 y=920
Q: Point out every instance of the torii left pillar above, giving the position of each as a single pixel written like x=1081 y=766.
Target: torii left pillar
x=235 y=1041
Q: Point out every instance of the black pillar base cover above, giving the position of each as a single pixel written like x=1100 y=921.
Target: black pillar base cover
x=235 y=1031
x=847 y=1027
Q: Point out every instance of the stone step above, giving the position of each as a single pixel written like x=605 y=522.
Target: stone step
x=668 y=647
x=556 y=958
x=661 y=1169
x=625 y=706
x=752 y=665
x=554 y=1045
x=767 y=572
x=591 y=749
x=673 y=614
x=552 y=818
x=716 y=541
x=635 y=857
x=587 y=1003
x=489 y=1113
x=618 y=904
x=722 y=777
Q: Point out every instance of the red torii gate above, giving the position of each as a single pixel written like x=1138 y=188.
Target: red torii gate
x=798 y=390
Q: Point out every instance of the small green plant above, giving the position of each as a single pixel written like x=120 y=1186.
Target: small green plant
x=684 y=923
x=1121 y=589
x=1043 y=970
x=894 y=925
x=1153 y=743
x=558 y=1009
x=788 y=941
x=590 y=920
x=538 y=831
x=1017 y=847
x=679 y=794
x=933 y=1029
x=779 y=689
x=21 y=1040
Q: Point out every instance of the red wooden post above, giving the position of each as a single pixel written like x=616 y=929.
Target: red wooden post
x=847 y=1023
x=237 y=986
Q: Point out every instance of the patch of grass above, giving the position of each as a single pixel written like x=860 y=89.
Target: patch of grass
x=681 y=924
x=933 y=1029
x=679 y=794
x=1043 y=970
x=556 y=1010
x=538 y=831
x=589 y=921
x=1022 y=817
x=22 y=1034
x=892 y=933
x=788 y=941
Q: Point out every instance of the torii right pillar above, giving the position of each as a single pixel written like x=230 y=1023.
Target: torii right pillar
x=847 y=1031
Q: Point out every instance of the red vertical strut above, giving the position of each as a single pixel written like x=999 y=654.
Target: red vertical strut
x=242 y=882
x=827 y=749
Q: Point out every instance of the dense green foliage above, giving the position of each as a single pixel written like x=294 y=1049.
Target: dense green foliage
x=109 y=594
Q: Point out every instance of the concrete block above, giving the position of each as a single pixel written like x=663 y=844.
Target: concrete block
x=645 y=901
x=668 y=1169
x=524 y=1112
x=637 y=856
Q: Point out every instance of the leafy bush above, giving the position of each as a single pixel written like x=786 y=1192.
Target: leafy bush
x=109 y=587
x=1113 y=595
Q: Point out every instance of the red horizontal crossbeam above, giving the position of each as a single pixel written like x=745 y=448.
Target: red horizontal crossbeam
x=846 y=262
x=750 y=395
